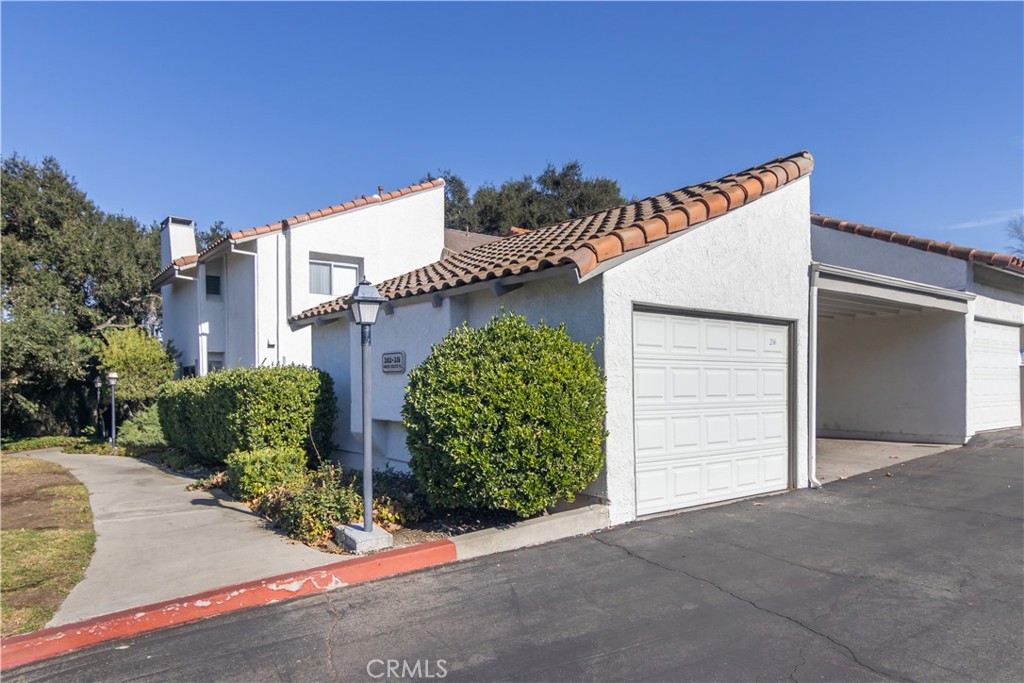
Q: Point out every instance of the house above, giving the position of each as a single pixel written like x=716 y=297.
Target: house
x=700 y=299
x=229 y=305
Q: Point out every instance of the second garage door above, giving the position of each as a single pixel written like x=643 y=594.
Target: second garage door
x=996 y=376
x=711 y=409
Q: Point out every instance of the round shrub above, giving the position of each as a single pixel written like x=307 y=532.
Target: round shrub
x=142 y=432
x=507 y=417
x=252 y=473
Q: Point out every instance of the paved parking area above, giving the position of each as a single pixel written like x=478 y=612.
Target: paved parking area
x=844 y=458
x=917 y=577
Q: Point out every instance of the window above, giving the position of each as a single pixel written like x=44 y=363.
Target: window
x=335 y=279
x=213 y=285
x=188 y=371
x=214 y=362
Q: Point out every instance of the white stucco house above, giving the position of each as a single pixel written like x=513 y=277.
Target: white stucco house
x=702 y=320
x=229 y=305
x=735 y=328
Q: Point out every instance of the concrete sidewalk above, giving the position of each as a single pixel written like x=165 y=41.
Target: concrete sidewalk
x=156 y=541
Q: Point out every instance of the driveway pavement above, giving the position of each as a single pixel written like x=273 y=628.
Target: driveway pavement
x=914 y=577
x=156 y=541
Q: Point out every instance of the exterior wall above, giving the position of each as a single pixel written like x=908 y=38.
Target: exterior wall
x=179 y=320
x=885 y=258
x=897 y=378
x=413 y=329
x=213 y=308
x=750 y=262
x=239 y=313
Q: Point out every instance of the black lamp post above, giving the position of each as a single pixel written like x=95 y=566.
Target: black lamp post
x=365 y=304
x=98 y=383
x=112 y=378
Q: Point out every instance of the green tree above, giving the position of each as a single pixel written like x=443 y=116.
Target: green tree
x=69 y=272
x=206 y=238
x=142 y=363
x=558 y=194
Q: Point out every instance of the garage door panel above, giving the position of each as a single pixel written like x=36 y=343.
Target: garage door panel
x=995 y=375
x=711 y=409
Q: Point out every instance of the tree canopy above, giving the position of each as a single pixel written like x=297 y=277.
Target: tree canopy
x=556 y=195
x=69 y=272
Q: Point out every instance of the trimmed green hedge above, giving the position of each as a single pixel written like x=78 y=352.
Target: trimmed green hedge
x=507 y=417
x=246 y=409
x=251 y=474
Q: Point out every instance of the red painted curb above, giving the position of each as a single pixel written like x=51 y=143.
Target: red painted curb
x=50 y=642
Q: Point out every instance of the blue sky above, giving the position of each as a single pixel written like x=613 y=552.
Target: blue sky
x=249 y=113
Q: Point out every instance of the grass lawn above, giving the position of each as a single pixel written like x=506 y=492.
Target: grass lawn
x=46 y=540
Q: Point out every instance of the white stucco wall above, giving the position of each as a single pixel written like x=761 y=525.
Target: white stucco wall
x=886 y=258
x=239 y=313
x=750 y=262
x=897 y=378
x=179 y=320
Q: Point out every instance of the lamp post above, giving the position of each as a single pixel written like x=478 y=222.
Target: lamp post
x=112 y=378
x=365 y=303
x=99 y=413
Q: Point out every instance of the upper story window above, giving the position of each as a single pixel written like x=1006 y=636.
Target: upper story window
x=213 y=285
x=335 y=279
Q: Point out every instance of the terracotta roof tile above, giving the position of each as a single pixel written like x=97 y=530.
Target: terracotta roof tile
x=587 y=241
x=991 y=258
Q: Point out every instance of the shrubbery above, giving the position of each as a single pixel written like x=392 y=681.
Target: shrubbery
x=142 y=432
x=252 y=473
x=283 y=407
x=508 y=416
x=142 y=363
x=325 y=499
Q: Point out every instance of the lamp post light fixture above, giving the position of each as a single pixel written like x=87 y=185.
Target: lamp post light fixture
x=112 y=378
x=364 y=305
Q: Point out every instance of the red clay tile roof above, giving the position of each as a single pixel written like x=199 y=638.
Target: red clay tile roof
x=178 y=263
x=585 y=242
x=308 y=216
x=456 y=241
x=990 y=258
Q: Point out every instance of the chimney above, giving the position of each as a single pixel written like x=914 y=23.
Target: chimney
x=177 y=239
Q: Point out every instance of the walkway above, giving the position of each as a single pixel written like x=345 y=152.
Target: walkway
x=156 y=541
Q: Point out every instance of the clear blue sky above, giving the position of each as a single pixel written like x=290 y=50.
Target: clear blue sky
x=249 y=113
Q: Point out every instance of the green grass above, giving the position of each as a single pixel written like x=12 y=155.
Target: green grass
x=70 y=444
x=41 y=566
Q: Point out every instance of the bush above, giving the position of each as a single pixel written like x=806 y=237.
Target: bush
x=142 y=363
x=252 y=473
x=507 y=417
x=283 y=407
x=324 y=500
x=40 y=442
x=142 y=432
x=398 y=498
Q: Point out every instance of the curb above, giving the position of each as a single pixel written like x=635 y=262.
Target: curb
x=58 y=640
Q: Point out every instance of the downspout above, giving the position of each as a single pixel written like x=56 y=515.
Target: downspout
x=812 y=381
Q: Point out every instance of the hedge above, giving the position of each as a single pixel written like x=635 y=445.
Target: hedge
x=507 y=417
x=247 y=409
x=251 y=474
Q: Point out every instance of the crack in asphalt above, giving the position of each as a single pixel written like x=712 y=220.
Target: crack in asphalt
x=803 y=660
x=675 y=570
x=330 y=634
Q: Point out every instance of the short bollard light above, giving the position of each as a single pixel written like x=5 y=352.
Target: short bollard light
x=112 y=378
x=364 y=305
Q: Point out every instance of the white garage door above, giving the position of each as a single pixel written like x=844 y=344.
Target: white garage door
x=710 y=410
x=996 y=376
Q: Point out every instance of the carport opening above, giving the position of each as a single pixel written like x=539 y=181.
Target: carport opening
x=891 y=384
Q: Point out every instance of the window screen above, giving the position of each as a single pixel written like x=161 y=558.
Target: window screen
x=345 y=279
x=320 y=278
x=213 y=285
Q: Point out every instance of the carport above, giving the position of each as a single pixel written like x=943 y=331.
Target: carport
x=887 y=359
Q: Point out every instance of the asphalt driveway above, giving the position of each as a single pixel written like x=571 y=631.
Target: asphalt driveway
x=917 y=576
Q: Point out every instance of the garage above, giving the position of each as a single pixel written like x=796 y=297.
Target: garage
x=995 y=375
x=711 y=409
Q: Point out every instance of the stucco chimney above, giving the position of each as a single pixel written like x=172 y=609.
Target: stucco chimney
x=177 y=239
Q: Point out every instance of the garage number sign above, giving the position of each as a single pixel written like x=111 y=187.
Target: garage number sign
x=394 y=361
